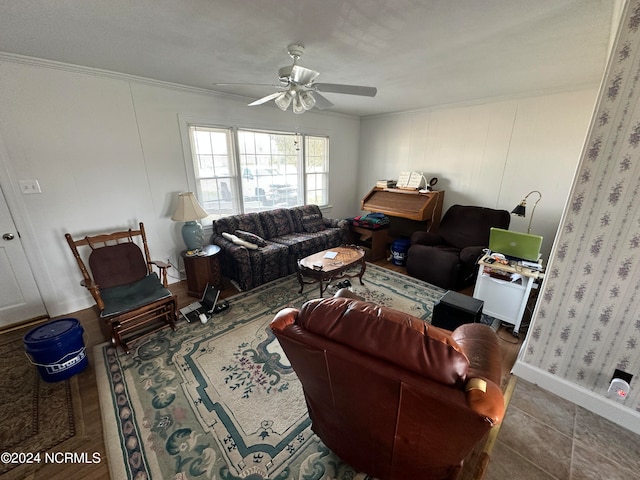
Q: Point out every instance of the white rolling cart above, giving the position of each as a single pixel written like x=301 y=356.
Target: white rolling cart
x=503 y=298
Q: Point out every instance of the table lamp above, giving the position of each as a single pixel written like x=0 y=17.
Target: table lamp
x=521 y=209
x=190 y=211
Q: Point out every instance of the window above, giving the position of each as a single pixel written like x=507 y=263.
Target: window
x=317 y=170
x=269 y=163
x=261 y=171
x=213 y=168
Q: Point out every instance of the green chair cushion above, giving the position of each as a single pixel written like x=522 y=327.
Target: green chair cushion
x=125 y=298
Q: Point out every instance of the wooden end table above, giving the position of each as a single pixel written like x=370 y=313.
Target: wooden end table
x=324 y=267
x=376 y=238
x=202 y=268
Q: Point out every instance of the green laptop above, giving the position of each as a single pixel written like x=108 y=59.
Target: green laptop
x=515 y=245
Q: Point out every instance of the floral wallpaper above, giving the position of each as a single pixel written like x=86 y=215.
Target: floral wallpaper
x=587 y=321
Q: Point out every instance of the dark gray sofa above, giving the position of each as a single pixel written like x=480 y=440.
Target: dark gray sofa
x=269 y=244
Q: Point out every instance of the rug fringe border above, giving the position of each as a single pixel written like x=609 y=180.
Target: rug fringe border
x=116 y=468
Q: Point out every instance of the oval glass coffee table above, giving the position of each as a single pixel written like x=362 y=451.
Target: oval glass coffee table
x=331 y=264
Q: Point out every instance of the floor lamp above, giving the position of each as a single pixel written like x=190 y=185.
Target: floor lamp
x=521 y=210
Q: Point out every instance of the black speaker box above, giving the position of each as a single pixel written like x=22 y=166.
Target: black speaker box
x=455 y=309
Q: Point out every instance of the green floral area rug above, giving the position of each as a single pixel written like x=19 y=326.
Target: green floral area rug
x=220 y=400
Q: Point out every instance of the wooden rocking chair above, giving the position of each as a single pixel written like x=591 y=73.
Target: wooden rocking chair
x=130 y=297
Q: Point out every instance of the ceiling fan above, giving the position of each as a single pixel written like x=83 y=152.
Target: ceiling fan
x=299 y=89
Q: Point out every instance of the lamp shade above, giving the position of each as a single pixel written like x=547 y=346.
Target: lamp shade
x=283 y=101
x=520 y=210
x=298 y=107
x=189 y=211
x=188 y=208
x=308 y=100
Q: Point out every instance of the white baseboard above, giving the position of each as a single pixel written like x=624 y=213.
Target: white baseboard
x=598 y=404
x=68 y=307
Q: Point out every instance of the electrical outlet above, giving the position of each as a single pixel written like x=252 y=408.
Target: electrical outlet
x=619 y=388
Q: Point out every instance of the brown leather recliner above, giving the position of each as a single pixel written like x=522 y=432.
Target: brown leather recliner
x=391 y=395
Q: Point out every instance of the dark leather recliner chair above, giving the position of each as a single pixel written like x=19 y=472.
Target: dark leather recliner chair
x=448 y=258
x=391 y=395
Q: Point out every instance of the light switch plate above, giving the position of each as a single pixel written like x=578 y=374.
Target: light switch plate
x=28 y=187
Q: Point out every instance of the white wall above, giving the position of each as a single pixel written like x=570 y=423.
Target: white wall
x=491 y=154
x=108 y=154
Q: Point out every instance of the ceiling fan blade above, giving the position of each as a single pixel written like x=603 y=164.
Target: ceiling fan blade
x=302 y=76
x=346 y=89
x=321 y=102
x=262 y=100
x=272 y=85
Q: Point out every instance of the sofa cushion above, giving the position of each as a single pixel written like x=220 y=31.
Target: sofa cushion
x=313 y=223
x=251 y=237
x=303 y=211
x=276 y=223
x=301 y=245
x=267 y=264
x=247 y=222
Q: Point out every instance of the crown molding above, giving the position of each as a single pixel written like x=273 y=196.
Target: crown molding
x=98 y=72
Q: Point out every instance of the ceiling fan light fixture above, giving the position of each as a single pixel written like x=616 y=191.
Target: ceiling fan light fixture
x=299 y=89
x=298 y=107
x=283 y=101
x=308 y=100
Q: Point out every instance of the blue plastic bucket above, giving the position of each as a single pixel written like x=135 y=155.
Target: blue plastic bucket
x=57 y=349
x=399 y=249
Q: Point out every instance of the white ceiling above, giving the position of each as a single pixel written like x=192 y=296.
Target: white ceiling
x=418 y=53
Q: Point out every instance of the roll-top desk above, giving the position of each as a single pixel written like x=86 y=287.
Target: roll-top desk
x=425 y=208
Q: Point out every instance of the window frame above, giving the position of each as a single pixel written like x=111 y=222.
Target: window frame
x=235 y=165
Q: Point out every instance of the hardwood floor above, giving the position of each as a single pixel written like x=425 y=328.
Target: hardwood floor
x=92 y=436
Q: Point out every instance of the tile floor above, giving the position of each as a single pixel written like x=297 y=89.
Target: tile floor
x=545 y=437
